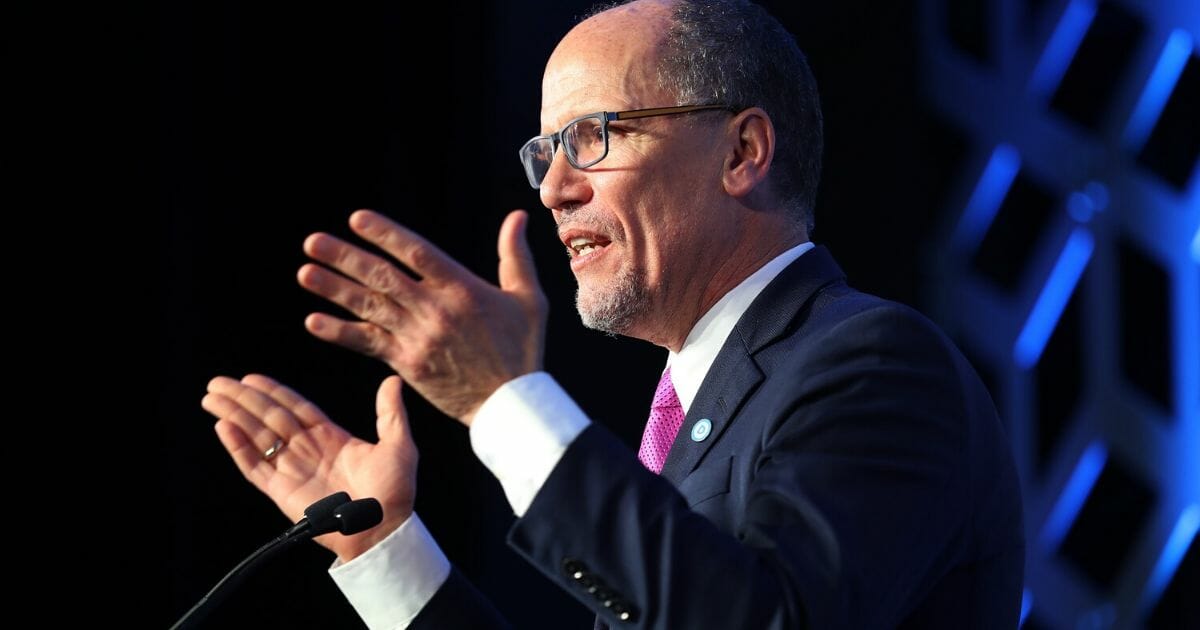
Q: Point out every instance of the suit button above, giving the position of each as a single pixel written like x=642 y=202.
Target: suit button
x=575 y=569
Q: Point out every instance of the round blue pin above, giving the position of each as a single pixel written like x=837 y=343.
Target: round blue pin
x=701 y=429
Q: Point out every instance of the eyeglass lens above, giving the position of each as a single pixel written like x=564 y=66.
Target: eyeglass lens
x=584 y=141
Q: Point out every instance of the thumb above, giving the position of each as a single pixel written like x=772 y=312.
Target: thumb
x=517 y=271
x=392 y=418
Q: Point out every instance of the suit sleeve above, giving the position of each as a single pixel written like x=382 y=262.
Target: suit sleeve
x=858 y=498
x=458 y=604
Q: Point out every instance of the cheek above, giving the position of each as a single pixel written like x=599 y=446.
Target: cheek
x=658 y=208
x=665 y=236
x=681 y=225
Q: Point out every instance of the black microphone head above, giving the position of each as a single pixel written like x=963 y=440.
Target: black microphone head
x=322 y=515
x=358 y=515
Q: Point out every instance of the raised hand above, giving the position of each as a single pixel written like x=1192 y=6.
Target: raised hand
x=291 y=451
x=454 y=337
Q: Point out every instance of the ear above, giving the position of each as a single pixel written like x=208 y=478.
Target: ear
x=751 y=147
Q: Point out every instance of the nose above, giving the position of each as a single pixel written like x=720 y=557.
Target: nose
x=564 y=185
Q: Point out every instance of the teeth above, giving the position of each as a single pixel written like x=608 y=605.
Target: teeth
x=582 y=245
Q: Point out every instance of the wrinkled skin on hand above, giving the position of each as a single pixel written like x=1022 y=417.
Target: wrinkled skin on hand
x=452 y=336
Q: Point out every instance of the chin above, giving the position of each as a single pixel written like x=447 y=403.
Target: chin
x=614 y=308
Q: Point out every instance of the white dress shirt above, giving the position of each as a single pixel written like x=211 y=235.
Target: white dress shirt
x=519 y=433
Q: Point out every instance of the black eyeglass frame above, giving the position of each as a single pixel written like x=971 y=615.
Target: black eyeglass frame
x=604 y=118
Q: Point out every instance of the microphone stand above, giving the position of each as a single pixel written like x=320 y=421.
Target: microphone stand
x=198 y=612
x=335 y=512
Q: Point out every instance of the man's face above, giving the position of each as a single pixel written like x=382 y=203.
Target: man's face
x=638 y=224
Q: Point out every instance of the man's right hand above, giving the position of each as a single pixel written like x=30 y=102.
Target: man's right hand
x=454 y=337
x=318 y=457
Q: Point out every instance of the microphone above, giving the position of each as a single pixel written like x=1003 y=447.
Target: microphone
x=318 y=518
x=357 y=516
x=334 y=513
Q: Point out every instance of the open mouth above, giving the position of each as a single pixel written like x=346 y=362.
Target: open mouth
x=583 y=245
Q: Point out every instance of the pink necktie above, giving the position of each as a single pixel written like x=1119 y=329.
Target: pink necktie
x=666 y=416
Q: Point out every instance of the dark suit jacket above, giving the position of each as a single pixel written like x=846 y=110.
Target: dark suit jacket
x=855 y=476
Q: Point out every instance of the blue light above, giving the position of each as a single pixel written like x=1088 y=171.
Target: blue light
x=1053 y=299
x=1158 y=88
x=1196 y=246
x=1060 y=50
x=1087 y=471
x=989 y=193
x=1172 y=553
x=1026 y=606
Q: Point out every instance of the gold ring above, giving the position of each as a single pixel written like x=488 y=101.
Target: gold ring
x=270 y=453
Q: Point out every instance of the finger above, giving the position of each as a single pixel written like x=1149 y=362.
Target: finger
x=275 y=416
x=244 y=453
x=362 y=337
x=392 y=422
x=225 y=408
x=305 y=411
x=366 y=304
x=517 y=270
x=406 y=246
x=374 y=272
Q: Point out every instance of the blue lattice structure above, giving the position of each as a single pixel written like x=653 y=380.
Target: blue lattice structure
x=1068 y=267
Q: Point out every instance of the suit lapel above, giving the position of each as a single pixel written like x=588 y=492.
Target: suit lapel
x=734 y=375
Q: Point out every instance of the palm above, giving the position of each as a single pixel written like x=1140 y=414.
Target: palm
x=327 y=459
x=320 y=457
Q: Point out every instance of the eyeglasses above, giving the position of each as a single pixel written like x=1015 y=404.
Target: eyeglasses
x=585 y=139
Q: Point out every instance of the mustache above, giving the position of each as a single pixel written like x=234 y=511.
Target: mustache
x=590 y=219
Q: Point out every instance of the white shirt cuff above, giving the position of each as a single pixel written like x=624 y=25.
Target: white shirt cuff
x=391 y=582
x=521 y=431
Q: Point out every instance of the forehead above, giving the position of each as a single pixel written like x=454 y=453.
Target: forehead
x=607 y=63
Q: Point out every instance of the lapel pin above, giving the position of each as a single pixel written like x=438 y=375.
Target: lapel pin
x=701 y=429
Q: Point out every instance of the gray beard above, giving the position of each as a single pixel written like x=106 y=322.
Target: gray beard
x=614 y=309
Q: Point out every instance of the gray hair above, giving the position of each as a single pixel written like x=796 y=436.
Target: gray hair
x=734 y=53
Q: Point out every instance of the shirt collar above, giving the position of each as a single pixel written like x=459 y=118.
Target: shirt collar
x=690 y=365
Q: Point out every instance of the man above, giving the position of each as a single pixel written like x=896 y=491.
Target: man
x=816 y=457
